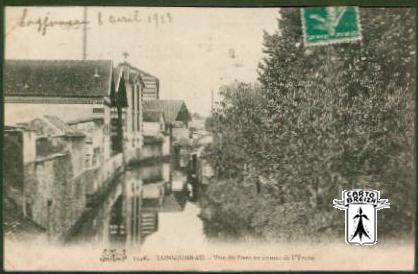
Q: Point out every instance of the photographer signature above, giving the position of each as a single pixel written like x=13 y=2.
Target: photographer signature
x=113 y=255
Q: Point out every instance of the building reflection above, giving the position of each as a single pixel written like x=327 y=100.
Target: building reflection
x=130 y=213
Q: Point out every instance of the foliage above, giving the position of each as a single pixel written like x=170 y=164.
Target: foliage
x=325 y=119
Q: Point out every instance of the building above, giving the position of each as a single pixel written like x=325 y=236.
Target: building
x=19 y=144
x=177 y=118
x=47 y=105
x=175 y=112
x=152 y=86
x=156 y=130
x=130 y=87
x=67 y=89
x=46 y=177
x=154 y=122
x=53 y=136
x=93 y=152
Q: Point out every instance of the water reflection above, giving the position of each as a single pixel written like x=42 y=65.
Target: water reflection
x=130 y=213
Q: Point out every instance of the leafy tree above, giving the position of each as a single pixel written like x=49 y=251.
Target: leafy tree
x=325 y=119
x=342 y=115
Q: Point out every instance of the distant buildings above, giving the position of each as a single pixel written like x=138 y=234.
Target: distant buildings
x=154 y=122
x=175 y=112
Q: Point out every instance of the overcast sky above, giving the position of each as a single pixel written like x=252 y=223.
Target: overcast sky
x=191 y=50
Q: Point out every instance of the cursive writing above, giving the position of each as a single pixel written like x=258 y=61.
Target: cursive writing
x=156 y=19
x=42 y=24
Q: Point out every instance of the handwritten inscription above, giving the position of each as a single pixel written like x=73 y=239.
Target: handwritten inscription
x=155 y=19
x=43 y=23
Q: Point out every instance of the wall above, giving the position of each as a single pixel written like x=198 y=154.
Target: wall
x=94 y=143
x=76 y=148
x=54 y=198
x=13 y=166
x=25 y=112
x=101 y=175
x=132 y=124
x=29 y=146
x=151 y=150
x=166 y=146
x=152 y=128
x=152 y=173
x=180 y=133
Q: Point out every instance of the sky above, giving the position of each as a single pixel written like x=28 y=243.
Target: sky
x=191 y=50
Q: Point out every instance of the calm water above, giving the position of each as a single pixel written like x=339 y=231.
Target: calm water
x=148 y=206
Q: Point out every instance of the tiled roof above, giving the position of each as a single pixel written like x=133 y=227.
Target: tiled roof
x=171 y=109
x=57 y=78
x=152 y=116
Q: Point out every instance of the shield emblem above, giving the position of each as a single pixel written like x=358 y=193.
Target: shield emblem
x=360 y=208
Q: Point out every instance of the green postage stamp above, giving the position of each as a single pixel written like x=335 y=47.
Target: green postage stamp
x=330 y=25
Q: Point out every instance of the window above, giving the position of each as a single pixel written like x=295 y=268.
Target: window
x=137 y=99
x=138 y=122
x=98 y=110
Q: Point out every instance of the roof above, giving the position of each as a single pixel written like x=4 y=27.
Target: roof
x=52 y=125
x=174 y=110
x=134 y=73
x=85 y=120
x=152 y=116
x=57 y=78
x=144 y=75
x=21 y=127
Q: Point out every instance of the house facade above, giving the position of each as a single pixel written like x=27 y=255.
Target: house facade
x=66 y=89
x=175 y=112
x=156 y=126
x=64 y=160
x=154 y=122
x=129 y=87
x=176 y=120
x=151 y=86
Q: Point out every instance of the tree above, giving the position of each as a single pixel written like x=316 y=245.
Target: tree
x=341 y=116
x=325 y=119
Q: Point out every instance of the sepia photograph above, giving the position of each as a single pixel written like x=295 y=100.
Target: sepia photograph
x=209 y=138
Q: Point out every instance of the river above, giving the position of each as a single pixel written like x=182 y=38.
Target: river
x=149 y=206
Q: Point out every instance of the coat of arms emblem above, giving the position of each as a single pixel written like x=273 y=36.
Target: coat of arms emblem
x=361 y=208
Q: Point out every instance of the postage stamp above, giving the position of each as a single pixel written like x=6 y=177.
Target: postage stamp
x=330 y=25
x=208 y=138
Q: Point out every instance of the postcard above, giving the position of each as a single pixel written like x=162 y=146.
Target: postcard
x=209 y=138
